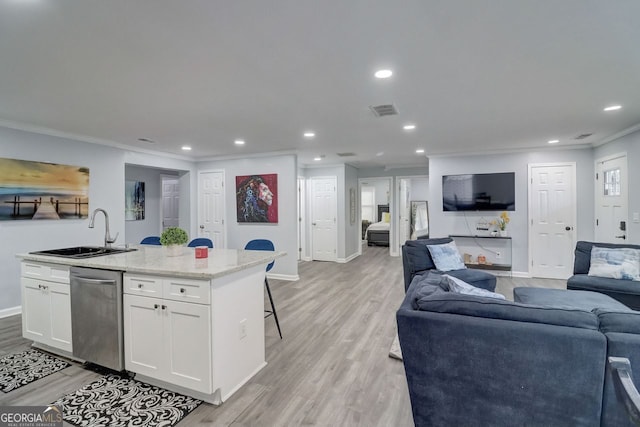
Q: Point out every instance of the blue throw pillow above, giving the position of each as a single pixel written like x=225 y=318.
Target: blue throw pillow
x=616 y=263
x=446 y=257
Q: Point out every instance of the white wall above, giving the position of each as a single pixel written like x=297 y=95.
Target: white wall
x=284 y=233
x=151 y=225
x=631 y=145
x=445 y=223
x=106 y=190
x=419 y=189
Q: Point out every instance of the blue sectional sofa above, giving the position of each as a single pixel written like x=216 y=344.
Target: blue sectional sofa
x=416 y=260
x=625 y=291
x=478 y=361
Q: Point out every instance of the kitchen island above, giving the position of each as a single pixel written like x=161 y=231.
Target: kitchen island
x=195 y=326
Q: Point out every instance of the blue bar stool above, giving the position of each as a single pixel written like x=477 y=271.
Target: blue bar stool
x=266 y=245
x=201 y=241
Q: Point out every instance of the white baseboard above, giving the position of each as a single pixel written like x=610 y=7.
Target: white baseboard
x=522 y=274
x=288 y=277
x=11 y=311
x=306 y=258
x=347 y=259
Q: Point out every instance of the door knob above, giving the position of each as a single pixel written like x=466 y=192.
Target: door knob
x=568 y=228
x=202 y=227
x=313 y=223
x=623 y=237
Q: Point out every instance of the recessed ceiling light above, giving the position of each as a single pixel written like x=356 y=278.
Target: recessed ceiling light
x=309 y=134
x=186 y=148
x=380 y=153
x=383 y=74
x=317 y=159
x=239 y=142
x=553 y=141
x=420 y=151
x=613 y=108
x=409 y=127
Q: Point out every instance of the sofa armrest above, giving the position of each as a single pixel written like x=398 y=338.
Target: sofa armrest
x=625 y=389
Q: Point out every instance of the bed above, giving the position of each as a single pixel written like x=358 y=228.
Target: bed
x=378 y=232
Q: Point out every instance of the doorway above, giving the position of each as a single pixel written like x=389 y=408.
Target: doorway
x=612 y=198
x=552 y=213
x=170 y=206
x=413 y=211
x=377 y=213
x=211 y=208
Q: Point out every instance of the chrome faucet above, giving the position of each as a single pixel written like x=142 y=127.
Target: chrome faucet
x=107 y=236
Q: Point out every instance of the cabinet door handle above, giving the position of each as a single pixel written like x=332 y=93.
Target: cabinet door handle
x=140 y=285
x=155 y=306
x=183 y=290
x=164 y=307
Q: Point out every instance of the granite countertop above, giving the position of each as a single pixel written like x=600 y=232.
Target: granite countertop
x=148 y=259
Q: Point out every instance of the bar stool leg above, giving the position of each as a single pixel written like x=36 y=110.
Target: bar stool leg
x=273 y=307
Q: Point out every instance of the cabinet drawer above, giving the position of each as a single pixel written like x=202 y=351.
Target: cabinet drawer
x=50 y=272
x=186 y=290
x=142 y=285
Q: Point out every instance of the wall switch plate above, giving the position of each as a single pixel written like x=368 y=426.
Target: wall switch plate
x=243 y=329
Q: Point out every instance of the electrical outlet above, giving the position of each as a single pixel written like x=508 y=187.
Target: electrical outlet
x=243 y=329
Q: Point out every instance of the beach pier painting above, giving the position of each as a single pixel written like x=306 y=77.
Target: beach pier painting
x=39 y=190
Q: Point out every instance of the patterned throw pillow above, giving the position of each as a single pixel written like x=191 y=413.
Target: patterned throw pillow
x=615 y=263
x=446 y=257
x=461 y=287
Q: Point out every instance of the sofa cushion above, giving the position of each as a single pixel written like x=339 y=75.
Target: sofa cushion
x=461 y=287
x=468 y=305
x=592 y=283
x=446 y=256
x=615 y=263
x=570 y=299
x=583 y=254
x=477 y=278
x=625 y=321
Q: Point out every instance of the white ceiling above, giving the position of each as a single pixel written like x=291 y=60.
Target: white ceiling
x=472 y=75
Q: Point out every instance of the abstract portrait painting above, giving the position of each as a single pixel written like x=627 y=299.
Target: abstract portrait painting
x=38 y=190
x=257 y=198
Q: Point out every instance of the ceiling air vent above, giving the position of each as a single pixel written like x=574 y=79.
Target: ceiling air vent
x=583 y=136
x=384 y=110
x=346 y=154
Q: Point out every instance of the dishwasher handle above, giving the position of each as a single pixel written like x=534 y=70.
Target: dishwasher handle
x=94 y=281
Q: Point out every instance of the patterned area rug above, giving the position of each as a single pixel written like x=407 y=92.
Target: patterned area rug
x=395 y=351
x=22 y=368
x=116 y=401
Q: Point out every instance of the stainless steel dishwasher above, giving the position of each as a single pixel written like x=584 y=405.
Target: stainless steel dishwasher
x=96 y=316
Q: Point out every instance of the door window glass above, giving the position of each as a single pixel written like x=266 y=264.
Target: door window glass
x=612 y=182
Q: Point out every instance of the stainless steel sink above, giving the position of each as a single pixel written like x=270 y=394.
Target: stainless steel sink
x=82 y=252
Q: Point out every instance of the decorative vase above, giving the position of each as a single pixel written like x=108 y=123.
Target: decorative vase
x=503 y=233
x=174 y=250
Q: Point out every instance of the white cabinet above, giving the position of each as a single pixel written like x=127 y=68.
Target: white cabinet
x=46 y=305
x=166 y=338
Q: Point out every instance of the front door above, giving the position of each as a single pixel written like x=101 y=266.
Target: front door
x=552 y=213
x=612 y=192
x=211 y=207
x=323 y=219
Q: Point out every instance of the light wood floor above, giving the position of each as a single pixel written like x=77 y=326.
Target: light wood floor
x=332 y=367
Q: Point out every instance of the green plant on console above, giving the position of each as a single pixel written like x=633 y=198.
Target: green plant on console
x=174 y=236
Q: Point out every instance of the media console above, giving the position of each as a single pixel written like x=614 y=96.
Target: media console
x=497 y=251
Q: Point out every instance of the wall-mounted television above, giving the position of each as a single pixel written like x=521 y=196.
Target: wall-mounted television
x=479 y=192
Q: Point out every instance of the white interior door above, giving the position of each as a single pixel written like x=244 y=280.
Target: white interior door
x=170 y=201
x=612 y=193
x=552 y=213
x=323 y=219
x=211 y=207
